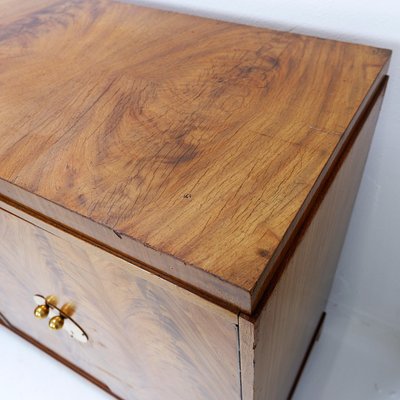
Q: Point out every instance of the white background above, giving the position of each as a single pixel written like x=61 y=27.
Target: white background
x=358 y=356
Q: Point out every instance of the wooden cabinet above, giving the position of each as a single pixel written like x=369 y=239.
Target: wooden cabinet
x=184 y=183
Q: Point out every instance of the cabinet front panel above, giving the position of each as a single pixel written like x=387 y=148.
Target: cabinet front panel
x=148 y=339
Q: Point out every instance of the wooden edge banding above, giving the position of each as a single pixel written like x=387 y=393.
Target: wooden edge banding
x=151 y=276
x=246 y=358
x=291 y=244
x=188 y=276
x=18 y=210
x=246 y=338
x=60 y=359
x=4 y=321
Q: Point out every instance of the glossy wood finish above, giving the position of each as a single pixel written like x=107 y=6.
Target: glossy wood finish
x=274 y=344
x=148 y=338
x=194 y=146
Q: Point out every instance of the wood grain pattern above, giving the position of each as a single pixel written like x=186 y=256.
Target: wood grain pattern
x=148 y=338
x=198 y=142
x=275 y=344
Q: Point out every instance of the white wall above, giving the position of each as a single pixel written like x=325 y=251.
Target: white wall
x=368 y=278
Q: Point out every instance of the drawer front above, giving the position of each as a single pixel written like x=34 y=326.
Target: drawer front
x=148 y=338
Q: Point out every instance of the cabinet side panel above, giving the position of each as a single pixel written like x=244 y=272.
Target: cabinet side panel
x=285 y=326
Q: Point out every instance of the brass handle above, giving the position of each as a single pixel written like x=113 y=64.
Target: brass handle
x=59 y=317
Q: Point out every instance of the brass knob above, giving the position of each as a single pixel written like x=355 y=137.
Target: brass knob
x=68 y=309
x=42 y=311
x=56 y=322
x=59 y=318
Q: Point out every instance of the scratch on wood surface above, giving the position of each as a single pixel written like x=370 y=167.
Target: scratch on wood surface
x=327 y=131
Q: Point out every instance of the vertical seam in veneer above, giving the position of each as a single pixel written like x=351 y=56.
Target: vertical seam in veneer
x=239 y=359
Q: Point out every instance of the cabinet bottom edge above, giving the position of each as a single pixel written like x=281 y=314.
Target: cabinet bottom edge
x=60 y=359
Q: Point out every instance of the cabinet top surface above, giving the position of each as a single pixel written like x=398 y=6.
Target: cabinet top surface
x=198 y=138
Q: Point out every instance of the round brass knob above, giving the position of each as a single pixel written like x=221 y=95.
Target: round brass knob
x=42 y=311
x=68 y=309
x=56 y=322
x=59 y=318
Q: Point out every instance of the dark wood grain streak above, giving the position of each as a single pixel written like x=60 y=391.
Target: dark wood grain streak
x=189 y=144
